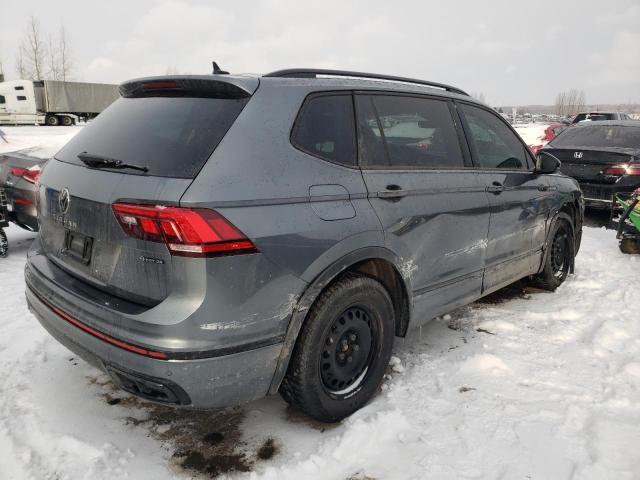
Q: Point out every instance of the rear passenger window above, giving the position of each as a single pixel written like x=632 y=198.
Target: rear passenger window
x=325 y=128
x=409 y=132
x=496 y=146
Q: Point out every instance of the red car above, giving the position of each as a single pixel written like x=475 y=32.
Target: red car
x=553 y=130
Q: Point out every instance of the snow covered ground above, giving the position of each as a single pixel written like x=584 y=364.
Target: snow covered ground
x=524 y=384
x=37 y=141
x=532 y=133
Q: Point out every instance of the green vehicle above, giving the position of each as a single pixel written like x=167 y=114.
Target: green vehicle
x=629 y=224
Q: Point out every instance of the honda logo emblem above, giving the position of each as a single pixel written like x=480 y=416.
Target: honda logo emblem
x=64 y=199
x=578 y=154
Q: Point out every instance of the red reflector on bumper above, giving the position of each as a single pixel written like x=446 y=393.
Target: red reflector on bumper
x=106 y=338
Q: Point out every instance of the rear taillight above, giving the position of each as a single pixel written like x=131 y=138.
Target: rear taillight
x=623 y=169
x=29 y=174
x=188 y=232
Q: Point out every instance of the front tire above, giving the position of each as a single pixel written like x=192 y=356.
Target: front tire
x=4 y=244
x=52 y=120
x=342 y=351
x=558 y=258
x=630 y=246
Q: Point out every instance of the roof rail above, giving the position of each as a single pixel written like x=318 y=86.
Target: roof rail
x=313 y=73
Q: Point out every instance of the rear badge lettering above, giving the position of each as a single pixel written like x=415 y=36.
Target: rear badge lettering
x=66 y=223
x=157 y=261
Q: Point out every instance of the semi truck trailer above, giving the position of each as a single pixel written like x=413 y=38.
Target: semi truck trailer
x=53 y=102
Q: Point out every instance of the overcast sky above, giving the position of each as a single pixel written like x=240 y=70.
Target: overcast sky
x=515 y=52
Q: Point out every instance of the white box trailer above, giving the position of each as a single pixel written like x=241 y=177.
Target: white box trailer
x=53 y=102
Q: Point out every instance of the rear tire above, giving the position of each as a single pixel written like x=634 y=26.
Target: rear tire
x=630 y=246
x=67 y=121
x=52 y=120
x=342 y=351
x=558 y=258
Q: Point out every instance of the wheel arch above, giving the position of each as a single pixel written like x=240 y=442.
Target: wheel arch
x=574 y=210
x=375 y=262
x=565 y=213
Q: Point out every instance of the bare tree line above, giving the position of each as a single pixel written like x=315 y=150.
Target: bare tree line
x=570 y=102
x=43 y=56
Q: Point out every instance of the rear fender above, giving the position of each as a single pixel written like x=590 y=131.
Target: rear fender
x=312 y=292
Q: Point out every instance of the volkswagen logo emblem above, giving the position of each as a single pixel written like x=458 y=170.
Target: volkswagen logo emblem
x=578 y=154
x=64 y=199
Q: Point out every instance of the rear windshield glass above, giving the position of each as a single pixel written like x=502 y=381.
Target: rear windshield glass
x=599 y=136
x=171 y=136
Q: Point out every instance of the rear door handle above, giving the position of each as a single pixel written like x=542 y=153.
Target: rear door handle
x=393 y=191
x=496 y=188
x=544 y=188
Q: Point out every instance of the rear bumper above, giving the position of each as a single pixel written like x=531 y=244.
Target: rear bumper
x=603 y=193
x=203 y=368
x=215 y=382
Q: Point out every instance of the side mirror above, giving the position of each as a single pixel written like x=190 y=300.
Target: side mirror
x=546 y=163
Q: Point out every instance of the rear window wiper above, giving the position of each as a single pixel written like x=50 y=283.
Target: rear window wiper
x=96 y=161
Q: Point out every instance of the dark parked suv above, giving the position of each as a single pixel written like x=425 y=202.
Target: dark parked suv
x=209 y=240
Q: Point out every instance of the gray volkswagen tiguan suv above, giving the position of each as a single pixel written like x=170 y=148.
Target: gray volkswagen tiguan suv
x=209 y=240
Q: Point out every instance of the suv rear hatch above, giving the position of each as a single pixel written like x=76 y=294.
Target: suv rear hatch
x=145 y=150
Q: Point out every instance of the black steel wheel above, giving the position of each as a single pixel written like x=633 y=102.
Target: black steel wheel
x=558 y=260
x=346 y=356
x=343 y=349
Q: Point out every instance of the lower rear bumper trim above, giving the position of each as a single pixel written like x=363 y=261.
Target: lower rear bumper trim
x=103 y=336
x=157 y=354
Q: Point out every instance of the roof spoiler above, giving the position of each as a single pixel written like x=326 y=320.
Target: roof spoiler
x=206 y=86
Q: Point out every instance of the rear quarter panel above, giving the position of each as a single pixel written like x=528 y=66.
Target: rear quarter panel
x=263 y=184
x=283 y=199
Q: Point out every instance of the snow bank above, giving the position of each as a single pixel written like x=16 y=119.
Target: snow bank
x=532 y=133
